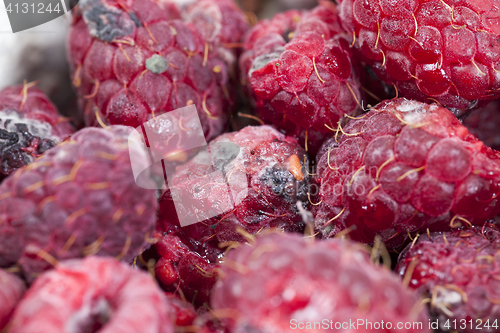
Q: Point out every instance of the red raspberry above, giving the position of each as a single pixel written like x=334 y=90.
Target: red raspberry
x=11 y=292
x=219 y=21
x=181 y=268
x=260 y=170
x=442 y=50
x=457 y=270
x=401 y=168
x=300 y=72
x=133 y=60
x=90 y=295
x=182 y=313
x=78 y=199
x=286 y=280
x=29 y=125
x=484 y=124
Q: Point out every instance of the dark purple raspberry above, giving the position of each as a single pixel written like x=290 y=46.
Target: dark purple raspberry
x=78 y=199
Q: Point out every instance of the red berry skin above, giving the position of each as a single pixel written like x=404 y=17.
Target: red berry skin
x=134 y=60
x=283 y=277
x=446 y=51
x=11 y=291
x=401 y=168
x=483 y=124
x=29 y=124
x=267 y=176
x=181 y=268
x=78 y=199
x=458 y=271
x=301 y=74
x=182 y=313
x=90 y=295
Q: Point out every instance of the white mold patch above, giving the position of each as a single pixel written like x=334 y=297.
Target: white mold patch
x=264 y=59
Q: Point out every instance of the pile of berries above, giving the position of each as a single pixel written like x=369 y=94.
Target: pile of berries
x=326 y=169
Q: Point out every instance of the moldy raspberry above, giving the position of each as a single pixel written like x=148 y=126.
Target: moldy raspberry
x=284 y=280
x=29 y=126
x=136 y=59
x=78 y=199
x=300 y=73
x=457 y=271
x=401 y=168
x=245 y=182
x=440 y=50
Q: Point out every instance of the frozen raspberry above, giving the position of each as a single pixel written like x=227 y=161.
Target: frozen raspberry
x=182 y=313
x=457 y=271
x=401 y=168
x=442 y=50
x=180 y=268
x=219 y=21
x=186 y=318
x=245 y=182
x=299 y=70
x=484 y=124
x=283 y=282
x=93 y=295
x=78 y=199
x=136 y=59
x=29 y=126
x=11 y=291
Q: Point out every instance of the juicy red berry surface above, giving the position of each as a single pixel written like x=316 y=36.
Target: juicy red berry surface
x=93 y=295
x=179 y=267
x=300 y=72
x=134 y=60
x=254 y=176
x=29 y=126
x=457 y=270
x=281 y=278
x=403 y=167
x=11 y=292
x=444 y=50
x=78 y=199
x=182 y=313
x=484 y=123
